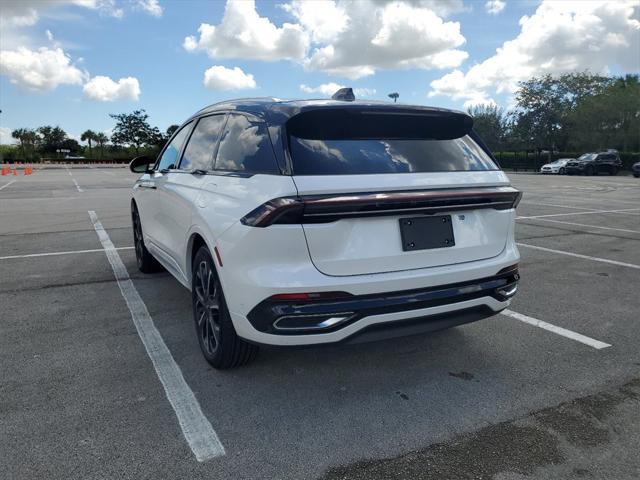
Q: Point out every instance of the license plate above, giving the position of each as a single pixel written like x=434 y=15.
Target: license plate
x=422 y=233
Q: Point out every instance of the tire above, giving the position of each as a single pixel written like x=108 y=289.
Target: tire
x=636 y=175
x=613 y=171
x=146 y=262
x=562 y=171
x=589 y=171
x=218 y=340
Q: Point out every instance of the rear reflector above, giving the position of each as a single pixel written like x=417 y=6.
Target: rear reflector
x=283 y=297
x=329 y=208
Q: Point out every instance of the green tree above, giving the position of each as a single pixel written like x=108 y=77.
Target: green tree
x=51 y=138
x=610 y=118
x=171 y=130
x=28 y=139
x=133 y=129
x=19 y=134
x=101 y=139
x=490 y=122
x=88 y=136
x=544 y=106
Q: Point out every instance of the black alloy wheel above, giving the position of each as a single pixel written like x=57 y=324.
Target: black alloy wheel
x=219 y=342
x=146 y=262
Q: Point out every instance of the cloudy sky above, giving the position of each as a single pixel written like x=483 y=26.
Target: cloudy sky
x=72 y=62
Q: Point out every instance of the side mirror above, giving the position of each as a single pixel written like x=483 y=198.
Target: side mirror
x=140 y=164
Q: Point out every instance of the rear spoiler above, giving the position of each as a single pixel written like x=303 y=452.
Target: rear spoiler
x=329 y=208
x=358 y=122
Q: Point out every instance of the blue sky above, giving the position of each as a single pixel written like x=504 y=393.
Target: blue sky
x=449 y=53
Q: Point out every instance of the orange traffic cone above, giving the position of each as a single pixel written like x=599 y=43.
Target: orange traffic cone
x=5 y=169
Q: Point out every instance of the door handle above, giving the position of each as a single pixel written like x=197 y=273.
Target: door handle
x=150 y=186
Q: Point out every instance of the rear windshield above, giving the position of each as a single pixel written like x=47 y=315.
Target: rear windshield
x=366 y=156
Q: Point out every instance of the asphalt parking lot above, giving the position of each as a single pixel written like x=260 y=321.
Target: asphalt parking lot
x=550 y=391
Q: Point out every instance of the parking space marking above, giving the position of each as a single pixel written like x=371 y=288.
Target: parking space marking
x=76 y=184
x=582 y=225
x=197 y=430
x=579 y=255
x=624 y=210
x=69 y=252
x=597 y=344
x=74 y=181
x=556 y=205
x=7 y=184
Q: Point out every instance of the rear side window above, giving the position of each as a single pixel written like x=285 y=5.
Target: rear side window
x=365 y=156
x=245 y=147
x=170 y=155
x=198 y=154
x=352 y=141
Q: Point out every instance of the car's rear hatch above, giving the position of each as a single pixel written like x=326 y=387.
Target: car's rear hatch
x=386 y=191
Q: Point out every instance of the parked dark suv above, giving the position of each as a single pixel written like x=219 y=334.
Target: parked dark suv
x=594 y=163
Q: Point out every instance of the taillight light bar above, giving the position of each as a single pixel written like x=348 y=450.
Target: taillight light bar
x=328 y=208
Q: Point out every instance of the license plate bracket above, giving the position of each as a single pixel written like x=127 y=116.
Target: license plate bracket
x=422 y=233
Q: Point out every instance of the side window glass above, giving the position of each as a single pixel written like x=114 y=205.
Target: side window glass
x=199 y=151
x=169 y=158
x=245 y=147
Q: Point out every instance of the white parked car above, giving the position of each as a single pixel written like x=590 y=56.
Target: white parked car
x=323 y=221
x=557 y=166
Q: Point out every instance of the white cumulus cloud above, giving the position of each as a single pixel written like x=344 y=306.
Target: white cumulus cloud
x=392 y=35
x=152 y=7
x=560 y=37
x=104 y=89
x=328 y=89
x=243 y=33
x=5 y=137
x=222 y=78
x=346 y=38
x=494 y=7
x=40 y=70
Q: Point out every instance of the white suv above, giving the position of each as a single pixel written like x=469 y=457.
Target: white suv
x=322 y=221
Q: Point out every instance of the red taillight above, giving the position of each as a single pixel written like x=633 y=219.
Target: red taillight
x=284 y=297
x=516 y=200
x=281 y=210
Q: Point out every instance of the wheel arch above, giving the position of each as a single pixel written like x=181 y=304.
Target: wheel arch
x=196 y=240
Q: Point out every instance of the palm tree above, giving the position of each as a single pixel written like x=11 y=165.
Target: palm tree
x=394 y=95
x=19 y=134
x=101 y=139
x=88 y=136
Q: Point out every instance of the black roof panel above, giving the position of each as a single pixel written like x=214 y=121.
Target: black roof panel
x=277 y=111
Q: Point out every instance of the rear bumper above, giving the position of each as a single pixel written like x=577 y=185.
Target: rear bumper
x=378 y=316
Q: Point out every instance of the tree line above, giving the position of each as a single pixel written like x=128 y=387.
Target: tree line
x=576 y=112
x=131 y=135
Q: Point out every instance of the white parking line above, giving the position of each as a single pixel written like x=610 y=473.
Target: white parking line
x=580 y=213
x=556 y=205
x=578 y=255
x=583 y=225
x=76 y=184
x=7 y=184
x=69 y=252
x=74 y=180
x=578 y=337
x=197 y=430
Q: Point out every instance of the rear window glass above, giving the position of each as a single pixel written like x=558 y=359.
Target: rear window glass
x=364 y=156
